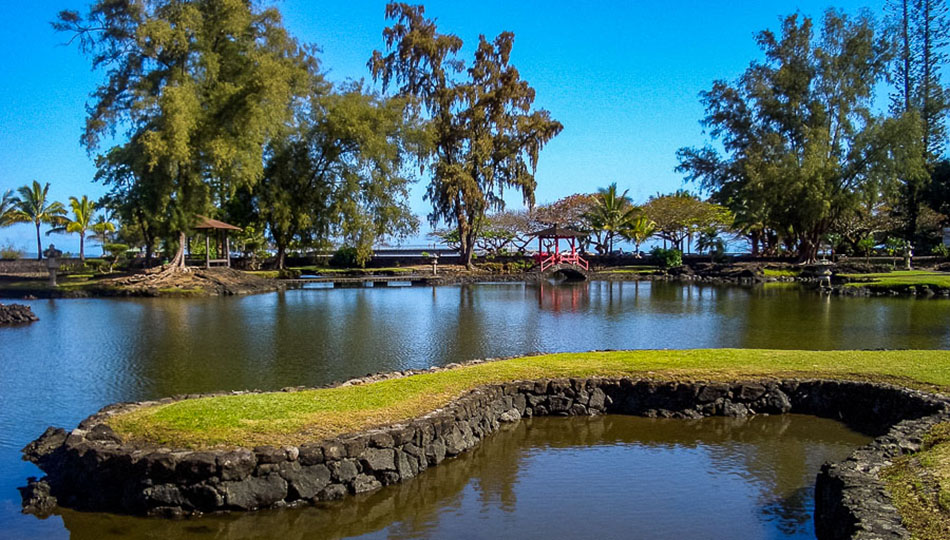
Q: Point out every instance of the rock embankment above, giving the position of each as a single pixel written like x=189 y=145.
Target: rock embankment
x=16 y=314
x=92 y=468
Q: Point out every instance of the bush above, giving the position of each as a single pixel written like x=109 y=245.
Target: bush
x=345 y=257
x=288 y=273
x=941 y=250
x=668 y=258
x=9 y=252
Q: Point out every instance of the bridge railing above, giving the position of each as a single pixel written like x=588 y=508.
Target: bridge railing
x=547 y=260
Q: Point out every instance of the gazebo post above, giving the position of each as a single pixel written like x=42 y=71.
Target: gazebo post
x=227 y=248
x=207 y=250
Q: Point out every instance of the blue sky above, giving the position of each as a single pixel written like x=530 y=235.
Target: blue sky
x=623 y=78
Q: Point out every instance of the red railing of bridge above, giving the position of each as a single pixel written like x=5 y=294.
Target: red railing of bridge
x=547 y=260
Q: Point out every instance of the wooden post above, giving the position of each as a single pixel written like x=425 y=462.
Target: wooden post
x=227 y=248
x=207 y=249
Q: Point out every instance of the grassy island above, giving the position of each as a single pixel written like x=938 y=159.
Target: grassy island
x=920 y=483
x=294 y=417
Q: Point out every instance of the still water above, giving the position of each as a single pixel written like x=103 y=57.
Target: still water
x=605 y=477
x=86 y=353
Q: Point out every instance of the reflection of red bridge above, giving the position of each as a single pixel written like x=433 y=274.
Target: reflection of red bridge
x=551 y=259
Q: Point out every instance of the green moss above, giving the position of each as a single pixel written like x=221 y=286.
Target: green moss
x=783 y=272
x=920 y=486
x=292 y=417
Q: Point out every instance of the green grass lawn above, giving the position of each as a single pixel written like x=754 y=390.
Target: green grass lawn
x=294 y=417
x=631 y=270
x=362 y=271
x=784 y=272
x=900 y=278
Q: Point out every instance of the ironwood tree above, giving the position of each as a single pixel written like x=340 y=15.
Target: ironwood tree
x=484 y=135
x=799 y=137
x=341 y=172
x=921 y=31
x=197 y=86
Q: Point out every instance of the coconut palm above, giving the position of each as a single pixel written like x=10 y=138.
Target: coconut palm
x=32 y=205
x=7 y=208
x=83 y=210
x=710 y=242
x=638 y=230
x=102 y=231
x=610 y=216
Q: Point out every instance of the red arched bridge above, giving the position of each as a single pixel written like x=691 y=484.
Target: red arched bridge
x=551 y=260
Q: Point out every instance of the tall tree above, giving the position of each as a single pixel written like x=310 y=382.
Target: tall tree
x=800 y=140
x=921 y=32
x=81 y=222
x=33 y=205
x=485 y=135
x=199 y=85
x=341 y=173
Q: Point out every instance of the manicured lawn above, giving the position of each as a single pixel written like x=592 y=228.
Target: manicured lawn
x=900 y=278
x=363 y=271
x=294 y=417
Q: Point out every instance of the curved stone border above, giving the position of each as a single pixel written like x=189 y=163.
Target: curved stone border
x=91 y=468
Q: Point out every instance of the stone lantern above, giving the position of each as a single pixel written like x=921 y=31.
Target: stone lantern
x=52 y=264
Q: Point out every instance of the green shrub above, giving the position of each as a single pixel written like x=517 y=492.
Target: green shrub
x=668 y=258
x=941 y=250
x=288 y=273
x=9 y=252
x=345 y=257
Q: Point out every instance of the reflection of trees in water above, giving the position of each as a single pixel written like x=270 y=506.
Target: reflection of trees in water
x=777 y=457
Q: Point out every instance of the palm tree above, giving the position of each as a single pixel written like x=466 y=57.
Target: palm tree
x=710 y=242
x=32 y=206
x=639 y=230
x=101 y=232
x=83 y=210
x=7 y=208
x=611 y=215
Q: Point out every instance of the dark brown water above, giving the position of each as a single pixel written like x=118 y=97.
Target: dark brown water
x=607 y=477
x=87 y=353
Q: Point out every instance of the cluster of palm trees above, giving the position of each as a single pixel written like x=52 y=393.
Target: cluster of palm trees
x=31 y=204
x=614 y=215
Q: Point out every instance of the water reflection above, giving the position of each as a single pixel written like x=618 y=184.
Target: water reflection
x=558 y=478
x=87 y=353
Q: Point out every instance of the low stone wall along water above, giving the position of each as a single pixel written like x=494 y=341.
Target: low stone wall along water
x=91 y=468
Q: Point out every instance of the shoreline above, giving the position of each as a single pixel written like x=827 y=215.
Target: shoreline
x=226 y=282
x=179 y=480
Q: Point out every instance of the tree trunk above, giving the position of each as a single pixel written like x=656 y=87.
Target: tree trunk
x=281 y=255
x=82 y=247
x=149 y=249
x=177 y=264
x=39 y=245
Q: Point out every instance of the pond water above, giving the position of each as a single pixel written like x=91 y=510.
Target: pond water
x=604 y=477
x=86 y=353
